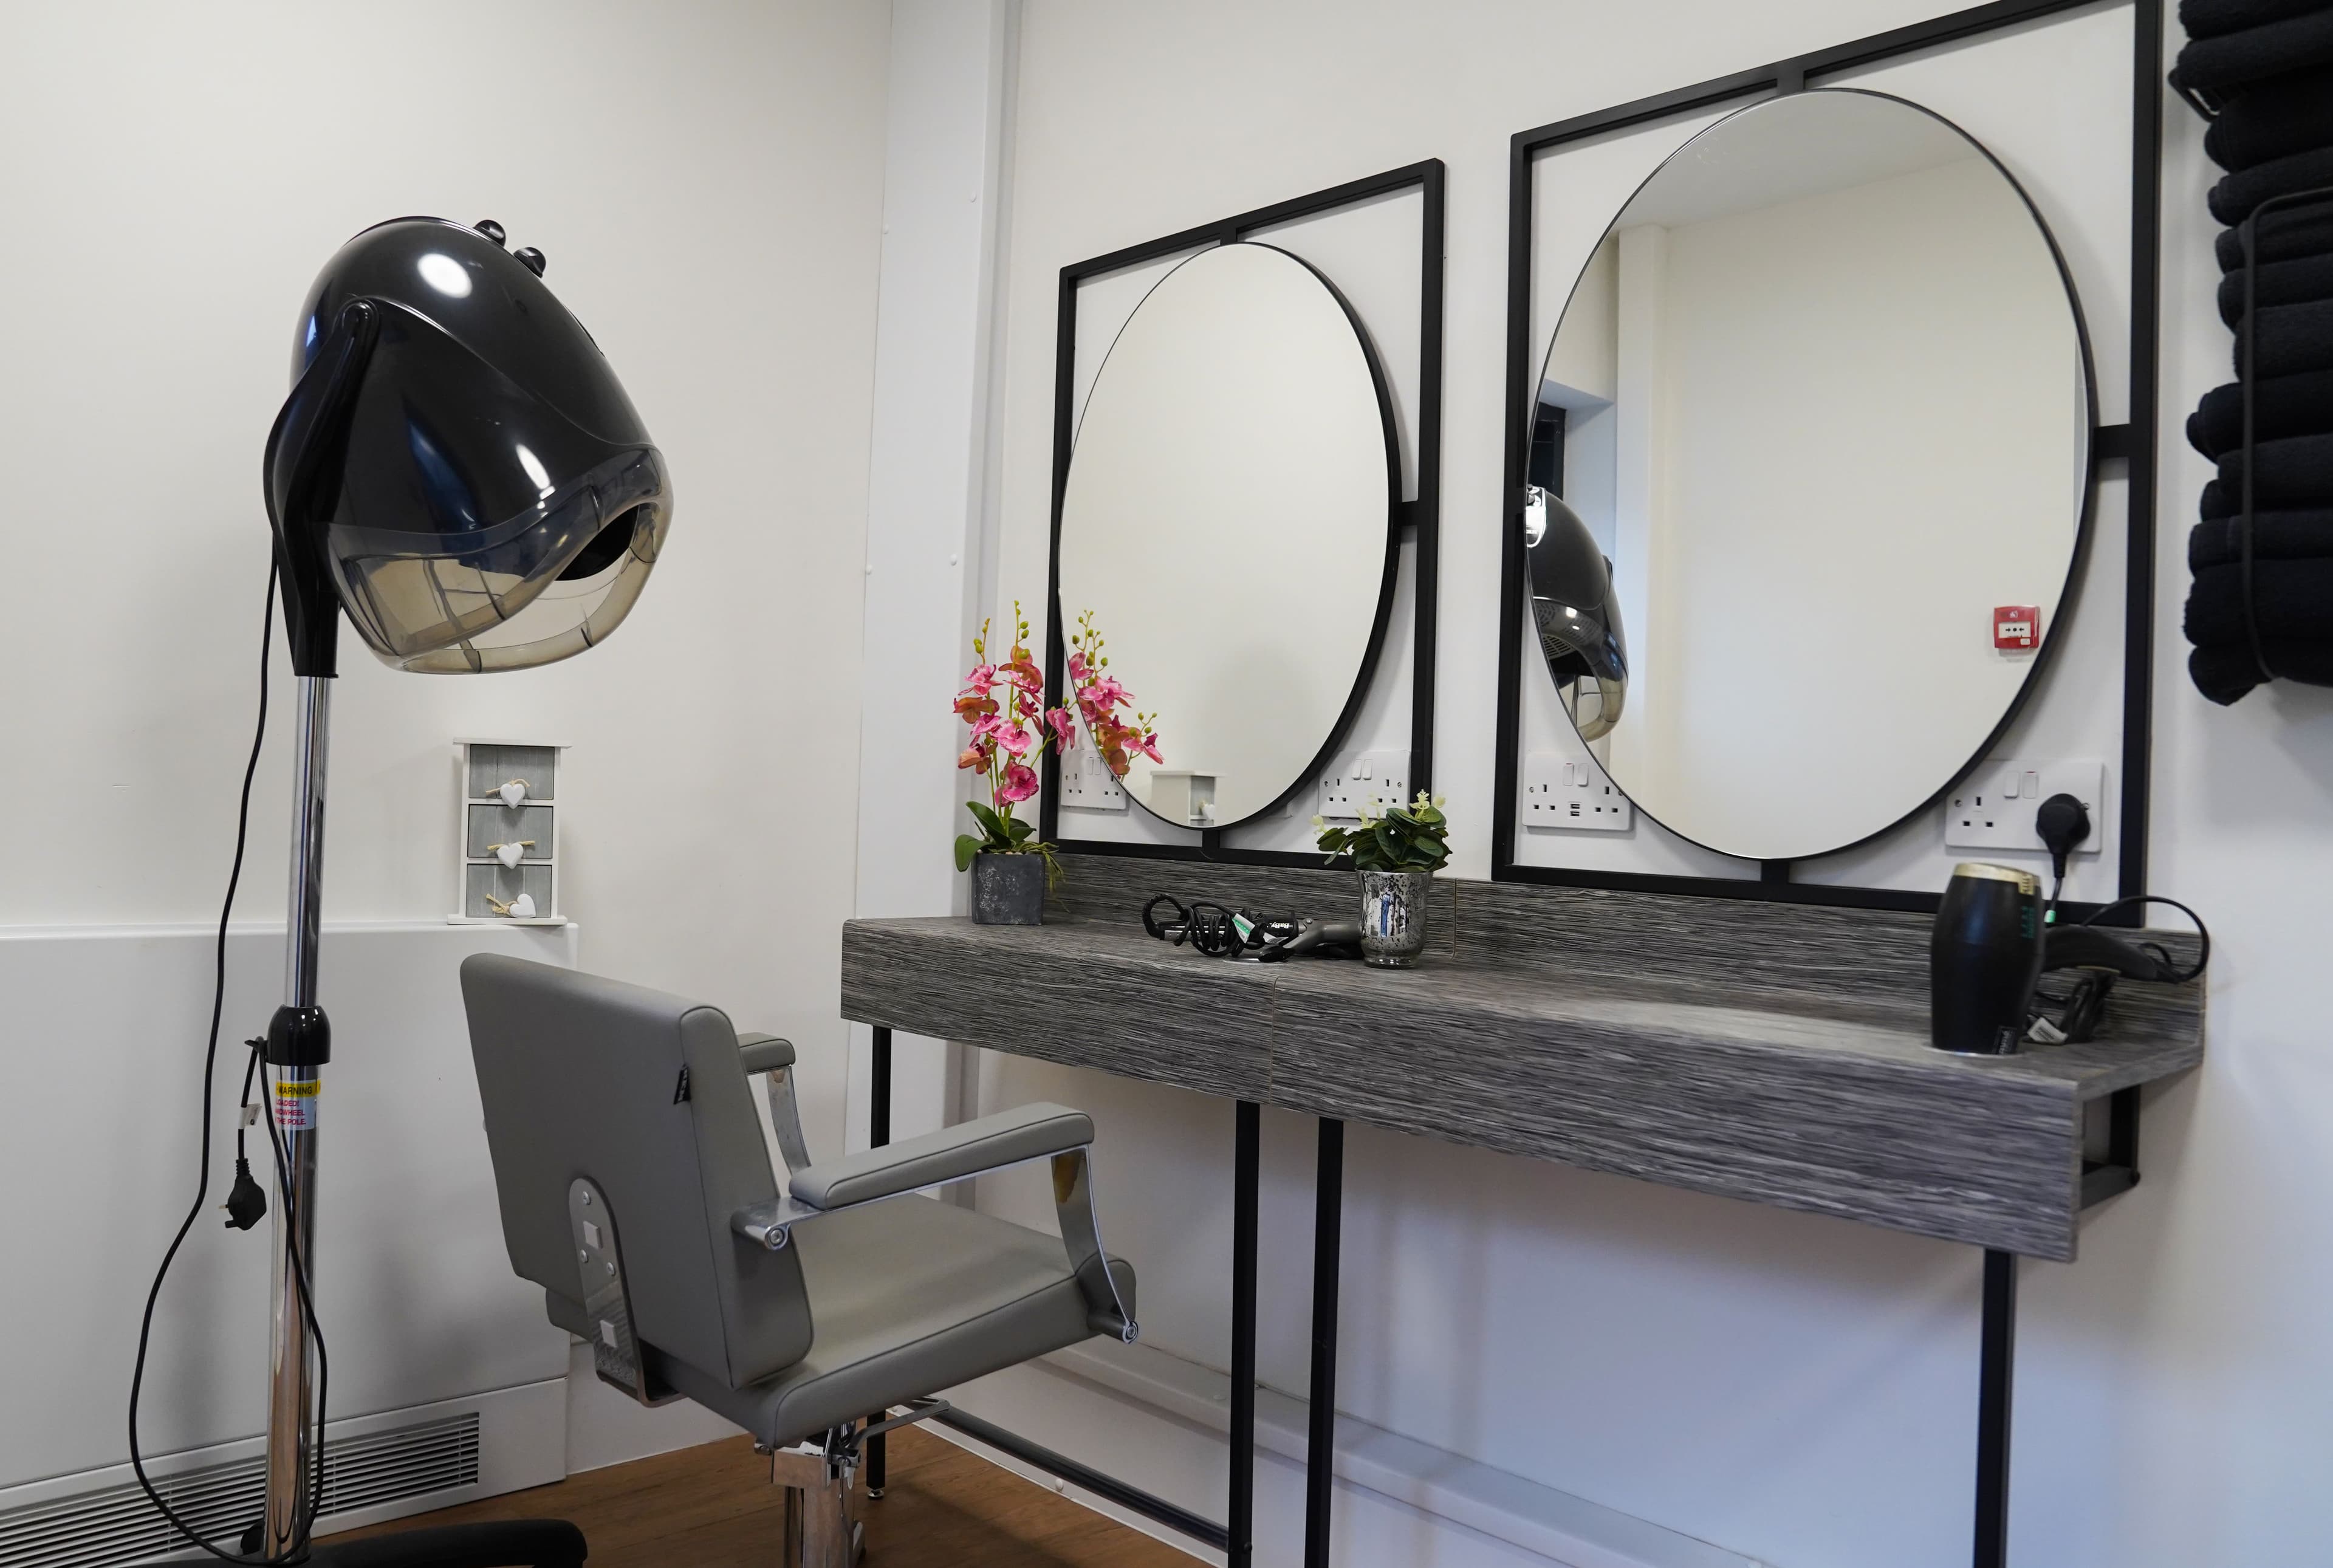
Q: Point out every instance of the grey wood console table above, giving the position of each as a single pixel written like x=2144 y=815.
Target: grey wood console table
x=1772 y=1053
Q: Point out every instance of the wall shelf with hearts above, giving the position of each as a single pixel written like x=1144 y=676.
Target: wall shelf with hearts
x=508 y=829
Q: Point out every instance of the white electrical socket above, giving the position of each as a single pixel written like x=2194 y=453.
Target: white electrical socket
x=1087 y=783
x=1993 y=808
x=1353 y=780
x=1572 y=794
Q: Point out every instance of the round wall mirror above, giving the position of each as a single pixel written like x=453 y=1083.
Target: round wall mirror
x=1228 y=522
x=1814 y=429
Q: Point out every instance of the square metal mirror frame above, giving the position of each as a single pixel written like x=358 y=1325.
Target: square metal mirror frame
x=2133 y=445
x=1420 y=518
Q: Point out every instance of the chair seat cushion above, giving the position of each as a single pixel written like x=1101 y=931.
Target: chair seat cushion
x=906 y=1297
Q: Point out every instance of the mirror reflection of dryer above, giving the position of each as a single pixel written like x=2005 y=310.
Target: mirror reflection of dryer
x=1819 y=401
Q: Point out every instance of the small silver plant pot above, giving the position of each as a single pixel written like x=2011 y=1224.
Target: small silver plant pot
x=1008 y=890
x=1392 y=917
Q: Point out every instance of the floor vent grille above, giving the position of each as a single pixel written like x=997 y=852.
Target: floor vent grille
x=116 y=1524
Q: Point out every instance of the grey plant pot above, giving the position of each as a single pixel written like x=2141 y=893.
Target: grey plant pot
x=1392 y=917
x=1008 y=890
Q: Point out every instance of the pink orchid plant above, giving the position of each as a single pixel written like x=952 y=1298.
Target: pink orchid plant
x=1004 y=702
x=1118 y=738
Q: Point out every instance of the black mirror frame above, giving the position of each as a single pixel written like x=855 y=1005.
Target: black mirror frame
x=1420 y=519
x=2132 y=445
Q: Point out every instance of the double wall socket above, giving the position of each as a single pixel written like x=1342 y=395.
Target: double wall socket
x=1087 y=783
x=1993 y=808
x=1572 y=794
x=1353 y=780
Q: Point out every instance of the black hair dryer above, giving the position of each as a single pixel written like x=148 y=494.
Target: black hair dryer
x=1984 y=955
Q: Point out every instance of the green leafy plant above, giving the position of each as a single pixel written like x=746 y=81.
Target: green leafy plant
x=1003 y=833
x=1396 y=838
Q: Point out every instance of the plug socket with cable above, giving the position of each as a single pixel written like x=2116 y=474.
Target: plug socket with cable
x=2062 y=823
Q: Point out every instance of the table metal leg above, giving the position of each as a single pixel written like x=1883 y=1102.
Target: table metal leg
x=879 y=1133
x=1997 y=1362
x=1245 y=1180
x=1320 y=1440
x=1235 y=1540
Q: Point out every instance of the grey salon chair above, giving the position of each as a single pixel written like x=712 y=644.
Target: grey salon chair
x=638 y=1191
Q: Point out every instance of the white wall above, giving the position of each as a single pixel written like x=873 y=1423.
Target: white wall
x=706 y=179
x=929 y=558
x=1798 y=1389
x=104 y=1030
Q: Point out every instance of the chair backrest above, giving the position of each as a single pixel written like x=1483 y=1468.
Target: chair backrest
x=643 y=1093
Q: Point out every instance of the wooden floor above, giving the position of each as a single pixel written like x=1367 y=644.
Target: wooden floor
x=715 y=1507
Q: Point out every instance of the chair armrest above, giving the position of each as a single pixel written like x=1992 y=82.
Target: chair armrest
x=774 y=1059
x=763 y=1053
x=1039 y=1131
x=951 y=1154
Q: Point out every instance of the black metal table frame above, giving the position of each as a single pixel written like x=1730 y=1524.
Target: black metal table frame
x=1235 y=1538
x=2133 y=442
x=2112 y=1169
x=1420 y=519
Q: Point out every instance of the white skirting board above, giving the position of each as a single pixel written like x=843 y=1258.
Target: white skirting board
x=1399 y=1501
x=377 y=1467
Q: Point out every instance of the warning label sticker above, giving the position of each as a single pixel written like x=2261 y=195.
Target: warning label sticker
x=295 y=1103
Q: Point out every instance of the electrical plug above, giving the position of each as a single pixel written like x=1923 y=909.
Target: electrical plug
x=2063 y=822
x=246 y=1204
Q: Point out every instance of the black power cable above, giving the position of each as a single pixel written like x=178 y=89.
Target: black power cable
x=2203 y=950
x=203 y=1174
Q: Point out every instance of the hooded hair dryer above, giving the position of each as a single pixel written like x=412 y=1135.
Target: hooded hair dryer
x=458 y=465
x=459 y=470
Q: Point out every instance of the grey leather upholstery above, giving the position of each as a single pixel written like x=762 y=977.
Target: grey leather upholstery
x=909 y=1297
x=580 y=1076
x=1007 y=1138
x=763 y=1053
x=646 y=1094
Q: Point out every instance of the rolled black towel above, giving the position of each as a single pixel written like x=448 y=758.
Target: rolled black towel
x=2286 y=282
x=2291 y=338
x=2289 y=231
x=2275 y=536
x=2216 y=18
x=2272 y=118
x=2232 y=199
x=2295 y=471
x=2281 y=406
x=2270 y=49
x=2293 y=598
x=2225 y=671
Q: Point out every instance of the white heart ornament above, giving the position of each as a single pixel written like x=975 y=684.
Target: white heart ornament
x=514 y=792
x=510 y=855
x=522 y=907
